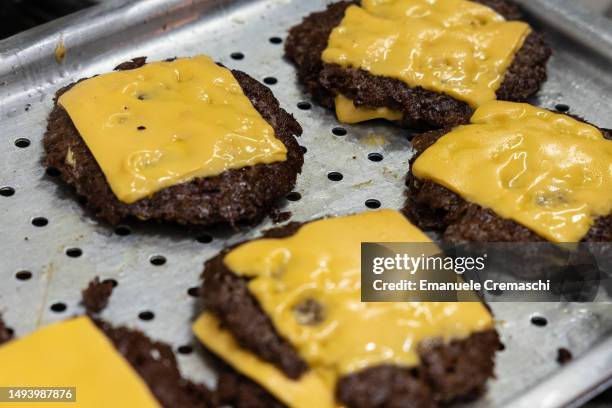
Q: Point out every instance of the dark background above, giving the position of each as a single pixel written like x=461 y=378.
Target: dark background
x=19 y=15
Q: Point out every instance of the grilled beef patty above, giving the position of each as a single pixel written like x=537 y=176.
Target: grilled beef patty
x=238 y=195
x=422 y=109
x=448 y=372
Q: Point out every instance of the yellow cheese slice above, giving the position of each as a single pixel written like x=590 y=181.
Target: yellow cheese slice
x=457 y=47
x=167 y=123
x=307 y=392
x=347 y=112
x=73 y=353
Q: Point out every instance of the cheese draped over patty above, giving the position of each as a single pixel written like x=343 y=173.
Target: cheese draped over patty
x=456 y=47
x=309 y=284
x=549 y=172
x=73 y=353
x=168 y=122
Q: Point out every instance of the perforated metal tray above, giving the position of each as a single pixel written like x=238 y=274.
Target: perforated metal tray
x=99 y=38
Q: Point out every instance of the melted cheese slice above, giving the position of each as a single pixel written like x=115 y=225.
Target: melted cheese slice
x=73 y=353
x=457 y=47
x=167 y=123
x=347 y=112
x=319 y=266
x=309 y=391
x=546 y=171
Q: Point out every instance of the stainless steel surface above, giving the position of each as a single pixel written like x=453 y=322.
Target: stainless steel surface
x=100 y=38
x=576 y=22
x=603 y=7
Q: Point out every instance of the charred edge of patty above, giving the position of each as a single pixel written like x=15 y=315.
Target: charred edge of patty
x=156 y=364
x=227 y=296
x=6 y=333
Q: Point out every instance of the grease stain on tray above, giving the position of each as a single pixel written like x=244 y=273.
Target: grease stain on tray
x=60 y=51
x=373 y=139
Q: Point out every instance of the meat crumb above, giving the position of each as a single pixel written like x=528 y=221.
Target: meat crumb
x=564 y=356
x=96 y=295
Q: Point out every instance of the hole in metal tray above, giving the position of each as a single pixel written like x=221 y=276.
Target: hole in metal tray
x=304 y=105
x=335 y=176
x=204 y=239
x=372 y=203
x=40 y=221
x=22 y=142
x=157 y=260
x=539 y=320
x=185 y=349
x=123 y=230
x=7 y=191
x=375 y=157
x=23 y=275
x=339 y=131
x=294 y=196
x=58 y=307
x=146 y=315
x=74 y=252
